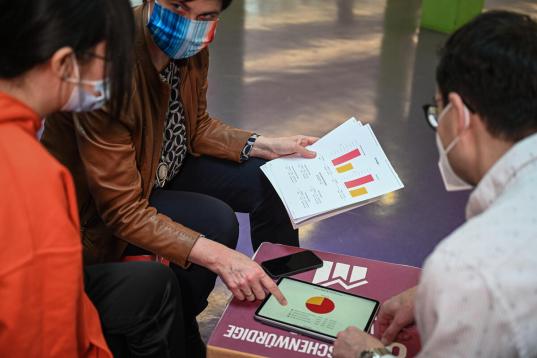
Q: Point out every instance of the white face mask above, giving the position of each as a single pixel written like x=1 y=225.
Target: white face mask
x=452 y=181
x=82 y=100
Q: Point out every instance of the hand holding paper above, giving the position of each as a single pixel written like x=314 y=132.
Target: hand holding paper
x=349 y=170
x=272 y=148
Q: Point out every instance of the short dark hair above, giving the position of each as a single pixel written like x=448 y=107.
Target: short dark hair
x=225 y=4
x=31 y=31
x=491 y=63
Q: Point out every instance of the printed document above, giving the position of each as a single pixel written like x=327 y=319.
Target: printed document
x=350 y=170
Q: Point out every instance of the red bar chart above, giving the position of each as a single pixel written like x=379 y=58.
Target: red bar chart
x=346 y=157
x=360 y=181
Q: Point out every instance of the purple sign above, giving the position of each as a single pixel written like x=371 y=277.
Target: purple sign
x=238 y=334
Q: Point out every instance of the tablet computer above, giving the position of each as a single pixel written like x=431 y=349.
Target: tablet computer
x=317 y=311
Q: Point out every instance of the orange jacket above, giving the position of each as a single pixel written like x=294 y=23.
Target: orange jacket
x=44 y=311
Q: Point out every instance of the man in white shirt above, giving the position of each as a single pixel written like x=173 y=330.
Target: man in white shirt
x=477 y=296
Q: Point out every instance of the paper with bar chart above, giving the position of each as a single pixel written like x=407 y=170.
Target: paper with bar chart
x=350 y=170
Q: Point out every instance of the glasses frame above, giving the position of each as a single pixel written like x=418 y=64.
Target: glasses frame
x=431 y=115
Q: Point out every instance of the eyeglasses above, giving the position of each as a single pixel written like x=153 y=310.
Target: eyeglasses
x=431 y=112
x=431 y=115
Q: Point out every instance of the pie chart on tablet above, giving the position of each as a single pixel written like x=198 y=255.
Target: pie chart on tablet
x=320 y=305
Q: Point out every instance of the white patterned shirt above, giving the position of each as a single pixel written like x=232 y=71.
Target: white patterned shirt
x=478 y=291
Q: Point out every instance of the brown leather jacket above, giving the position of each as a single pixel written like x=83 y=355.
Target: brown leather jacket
x=114 y=160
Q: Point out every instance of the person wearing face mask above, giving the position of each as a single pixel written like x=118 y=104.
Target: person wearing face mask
x=55 y=55
x=163 y=179
x=82 y=100
x=477 y=294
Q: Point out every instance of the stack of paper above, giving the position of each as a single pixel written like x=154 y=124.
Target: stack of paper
x=350 y=170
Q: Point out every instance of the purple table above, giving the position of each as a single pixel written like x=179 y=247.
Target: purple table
x=237 y=334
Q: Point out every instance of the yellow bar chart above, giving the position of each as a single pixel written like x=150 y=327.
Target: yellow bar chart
x=345 y=168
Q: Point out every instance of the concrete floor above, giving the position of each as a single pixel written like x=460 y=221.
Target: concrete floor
x=283 y=67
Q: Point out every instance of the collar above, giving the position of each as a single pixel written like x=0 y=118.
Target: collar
x=14 y=110
x=501 y=174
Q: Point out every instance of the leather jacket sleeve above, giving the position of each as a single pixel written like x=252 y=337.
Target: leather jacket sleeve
x=213 y=137
x=115 y=183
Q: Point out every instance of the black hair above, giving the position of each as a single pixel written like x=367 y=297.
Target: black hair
x=225 y=4
x=491 y=63
x=31 y=31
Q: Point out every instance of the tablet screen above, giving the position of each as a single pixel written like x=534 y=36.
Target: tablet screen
x=318 y=309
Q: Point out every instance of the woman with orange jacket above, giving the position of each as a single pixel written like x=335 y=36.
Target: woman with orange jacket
x=54 y=55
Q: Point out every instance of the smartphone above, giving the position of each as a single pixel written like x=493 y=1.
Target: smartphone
x=317 y=311
x=292 y=264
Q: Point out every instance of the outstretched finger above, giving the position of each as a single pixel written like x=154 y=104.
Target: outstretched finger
x=273 y=288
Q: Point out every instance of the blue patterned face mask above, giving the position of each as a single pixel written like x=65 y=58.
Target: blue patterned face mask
x=177 y=36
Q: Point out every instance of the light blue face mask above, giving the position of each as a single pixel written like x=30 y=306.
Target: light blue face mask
x=82 y=100
x=177 y=36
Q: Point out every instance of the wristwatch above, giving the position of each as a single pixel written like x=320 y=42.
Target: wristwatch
x=245 y=153
x=376 y=353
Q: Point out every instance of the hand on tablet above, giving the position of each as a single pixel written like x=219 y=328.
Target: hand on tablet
x=396 y=314
x=244 y=277
x=352 y=341
x=247 y=280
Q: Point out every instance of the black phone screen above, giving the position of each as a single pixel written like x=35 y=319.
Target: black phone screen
x=292 y=264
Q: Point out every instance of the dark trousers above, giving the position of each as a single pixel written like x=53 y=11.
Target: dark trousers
x=204 y=196
x=139 y=304
x=245 y=189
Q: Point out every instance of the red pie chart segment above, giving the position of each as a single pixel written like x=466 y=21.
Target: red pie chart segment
x=320 y=305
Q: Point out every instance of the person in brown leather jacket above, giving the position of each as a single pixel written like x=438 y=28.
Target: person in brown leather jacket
x=166 y=178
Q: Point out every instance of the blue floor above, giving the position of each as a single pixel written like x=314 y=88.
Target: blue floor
x=283 y=67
